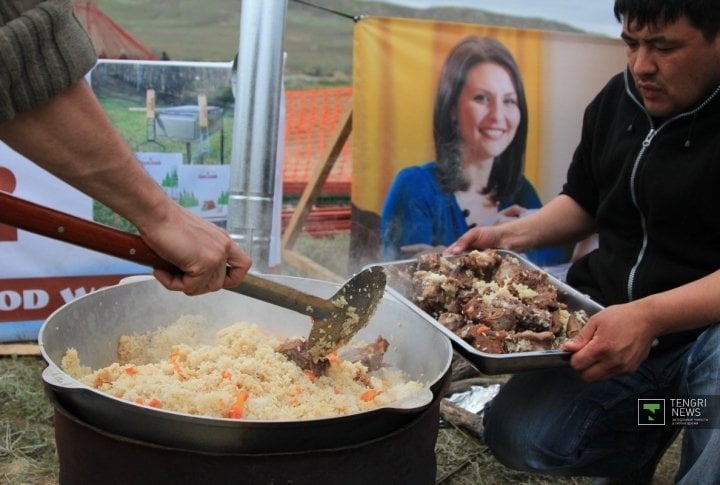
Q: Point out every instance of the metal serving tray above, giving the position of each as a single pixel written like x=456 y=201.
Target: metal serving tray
x=489 y=363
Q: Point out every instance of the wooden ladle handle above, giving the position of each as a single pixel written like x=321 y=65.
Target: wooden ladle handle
x=57 y=225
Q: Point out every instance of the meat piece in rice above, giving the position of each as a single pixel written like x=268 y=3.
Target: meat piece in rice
x=530 y=341
x=451 y=321
x=496 y=313
x=296 y=350
x=483 y=264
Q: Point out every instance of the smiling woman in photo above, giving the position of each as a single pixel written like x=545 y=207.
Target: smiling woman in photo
x=480 y=126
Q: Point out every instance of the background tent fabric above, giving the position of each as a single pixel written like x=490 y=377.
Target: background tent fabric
x=110 y=40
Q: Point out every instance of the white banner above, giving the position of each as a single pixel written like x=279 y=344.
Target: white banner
x=176 y=116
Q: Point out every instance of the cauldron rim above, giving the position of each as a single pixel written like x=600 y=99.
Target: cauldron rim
x=431 y=358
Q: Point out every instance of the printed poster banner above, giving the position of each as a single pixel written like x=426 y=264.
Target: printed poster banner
x=40 y=274
x=190 y=162
x=396 y=63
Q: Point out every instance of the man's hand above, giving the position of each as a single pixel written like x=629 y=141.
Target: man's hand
x=206 y=254
x=615 y=341
x=475 y=238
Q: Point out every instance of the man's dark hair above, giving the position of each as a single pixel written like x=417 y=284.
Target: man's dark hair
x=702 y=14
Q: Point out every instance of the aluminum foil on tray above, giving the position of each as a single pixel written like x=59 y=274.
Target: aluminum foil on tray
x=500 y=311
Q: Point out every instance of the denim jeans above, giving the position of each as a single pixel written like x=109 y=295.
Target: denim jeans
x=699 y=459
x=550 y=421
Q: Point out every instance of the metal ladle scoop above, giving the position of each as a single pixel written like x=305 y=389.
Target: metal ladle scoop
x=335 y=320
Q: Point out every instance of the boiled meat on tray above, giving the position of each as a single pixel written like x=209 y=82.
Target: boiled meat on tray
x=493 y=302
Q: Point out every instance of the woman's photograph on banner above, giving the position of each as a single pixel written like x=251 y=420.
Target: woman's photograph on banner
x=480 y=125
x=457 y=125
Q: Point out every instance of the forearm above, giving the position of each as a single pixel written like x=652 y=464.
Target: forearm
x=618 y=339
x=560 y=221
x=72 y=137
x=686 y=307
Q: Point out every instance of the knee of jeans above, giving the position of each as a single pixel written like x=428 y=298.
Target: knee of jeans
x=521 y=446
x=703 y=364
x=548 y=447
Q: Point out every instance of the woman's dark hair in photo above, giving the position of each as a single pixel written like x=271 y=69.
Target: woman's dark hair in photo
x=702 y=14
x=507 y=169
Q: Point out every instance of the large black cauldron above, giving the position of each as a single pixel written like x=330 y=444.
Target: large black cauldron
x=92 y=325
x=88 y=455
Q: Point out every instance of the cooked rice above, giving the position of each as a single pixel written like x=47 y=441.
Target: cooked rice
x=239 y=375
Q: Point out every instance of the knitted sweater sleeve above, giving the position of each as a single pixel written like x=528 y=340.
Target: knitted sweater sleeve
x=43 y=51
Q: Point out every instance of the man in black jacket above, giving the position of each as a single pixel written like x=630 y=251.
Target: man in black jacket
x=644 y=178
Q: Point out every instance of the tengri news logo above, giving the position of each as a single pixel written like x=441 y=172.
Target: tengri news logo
x=651 y=412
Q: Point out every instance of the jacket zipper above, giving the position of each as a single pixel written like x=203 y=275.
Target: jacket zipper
x=645 y=144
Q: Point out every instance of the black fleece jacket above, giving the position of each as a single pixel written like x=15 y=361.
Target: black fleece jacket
x=653 y=189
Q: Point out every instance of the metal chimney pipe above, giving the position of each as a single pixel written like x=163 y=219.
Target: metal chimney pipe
x=255 y=128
